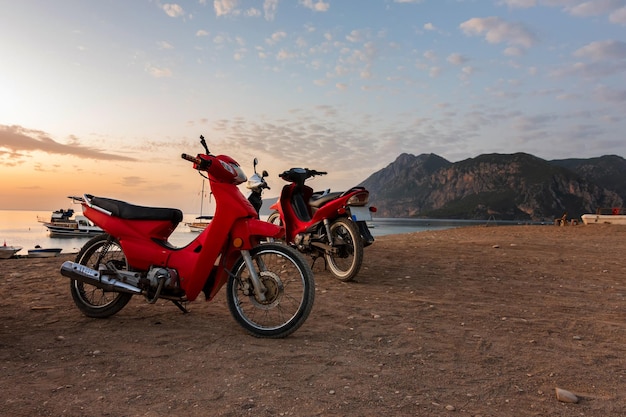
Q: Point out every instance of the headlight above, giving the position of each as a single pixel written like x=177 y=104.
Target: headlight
x=254 y=182
x=241 y=176
x=238 y=175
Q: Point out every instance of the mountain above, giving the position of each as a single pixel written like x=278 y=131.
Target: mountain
x=503 y=186
x=606 y=170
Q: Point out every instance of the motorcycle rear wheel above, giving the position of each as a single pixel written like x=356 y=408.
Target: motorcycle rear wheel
x=93 y=301
x=274 y=218
x=290 y=292
x=345 y=264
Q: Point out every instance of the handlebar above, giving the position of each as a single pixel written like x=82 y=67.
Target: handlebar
x=194 y=159
x=300 y=175
x=198 y=163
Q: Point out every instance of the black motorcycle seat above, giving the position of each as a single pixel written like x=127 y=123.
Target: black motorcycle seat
x=316 y=201
x=128 y=211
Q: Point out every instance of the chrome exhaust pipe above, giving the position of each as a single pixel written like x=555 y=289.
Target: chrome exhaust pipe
x=90 y=276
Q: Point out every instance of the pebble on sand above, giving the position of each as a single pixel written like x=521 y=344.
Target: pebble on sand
x=565 y=396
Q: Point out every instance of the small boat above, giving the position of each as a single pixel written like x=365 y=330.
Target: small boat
x=7 y=252
x=614 y=215
x=61 y=224
x=200 y=225
x=40 y=252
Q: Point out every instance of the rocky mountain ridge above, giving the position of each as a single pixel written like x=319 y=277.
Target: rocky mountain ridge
x=516 y=186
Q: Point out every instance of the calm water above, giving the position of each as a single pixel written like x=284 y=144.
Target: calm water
x=21 y=228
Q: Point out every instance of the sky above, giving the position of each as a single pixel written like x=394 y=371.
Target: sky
x=102 y=97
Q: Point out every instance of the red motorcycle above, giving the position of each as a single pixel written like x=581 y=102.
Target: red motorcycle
x=324 y=224
x=270 y=287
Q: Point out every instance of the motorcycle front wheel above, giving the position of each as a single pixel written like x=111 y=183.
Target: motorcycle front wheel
x=289 y=297
x=345 y=262
x=93 y=301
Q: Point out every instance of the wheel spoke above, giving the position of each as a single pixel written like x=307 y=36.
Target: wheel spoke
x=345 y=264
x=289 y=296
x=91 y=300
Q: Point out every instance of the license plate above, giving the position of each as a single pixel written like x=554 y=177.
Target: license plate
x=360 y=213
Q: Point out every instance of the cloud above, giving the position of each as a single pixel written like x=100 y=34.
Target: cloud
x=468 y=70
x=519 y=4
x=434 y=72
x=252 y=12
x=618 y=16
x=269 y=8
x=318 y=6
x=319 y=134
x=173 y=10
x=19 y=140
x=165 y=45
x=132 y=181
x=536 y=122
x=615 y=9
x=602 y=50
x=609 y=95
x=594 y=7
x=157 y=72
x=497 y=30
x=430 y=55
x=276 y=37
x=597 y=59
x=513 y=51
x=356 y=36
x=224 y=7
x=590 y=70
x=456 y=59
x=283 y=55
x=230 y=7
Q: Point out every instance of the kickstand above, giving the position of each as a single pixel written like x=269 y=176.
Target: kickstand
x=315 y=258
x=180 y=306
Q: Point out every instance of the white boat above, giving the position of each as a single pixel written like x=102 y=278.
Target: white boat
x=61 y=224
x=40 y=252
x=606 y=216
x=199 y=225
x=7 y=252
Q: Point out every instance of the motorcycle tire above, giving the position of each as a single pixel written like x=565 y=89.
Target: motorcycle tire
x=346 y=263
x=290 y=292
x=274 y=218
x=93 y=301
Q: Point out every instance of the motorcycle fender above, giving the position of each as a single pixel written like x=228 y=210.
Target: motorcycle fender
x=249 y=228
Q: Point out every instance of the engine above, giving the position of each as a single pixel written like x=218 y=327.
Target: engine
x=169 y=276
x=303 y=241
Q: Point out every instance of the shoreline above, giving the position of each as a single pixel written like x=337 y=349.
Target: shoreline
x=392 y=226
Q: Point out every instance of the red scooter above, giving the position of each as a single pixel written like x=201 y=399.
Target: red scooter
x=324 y=224
x=270 y=287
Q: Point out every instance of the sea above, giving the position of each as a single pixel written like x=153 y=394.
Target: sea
x=25 y=229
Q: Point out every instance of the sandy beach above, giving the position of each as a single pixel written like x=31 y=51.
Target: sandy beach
x=474 y=321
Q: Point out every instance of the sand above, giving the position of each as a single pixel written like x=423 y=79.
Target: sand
x=475 y=321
